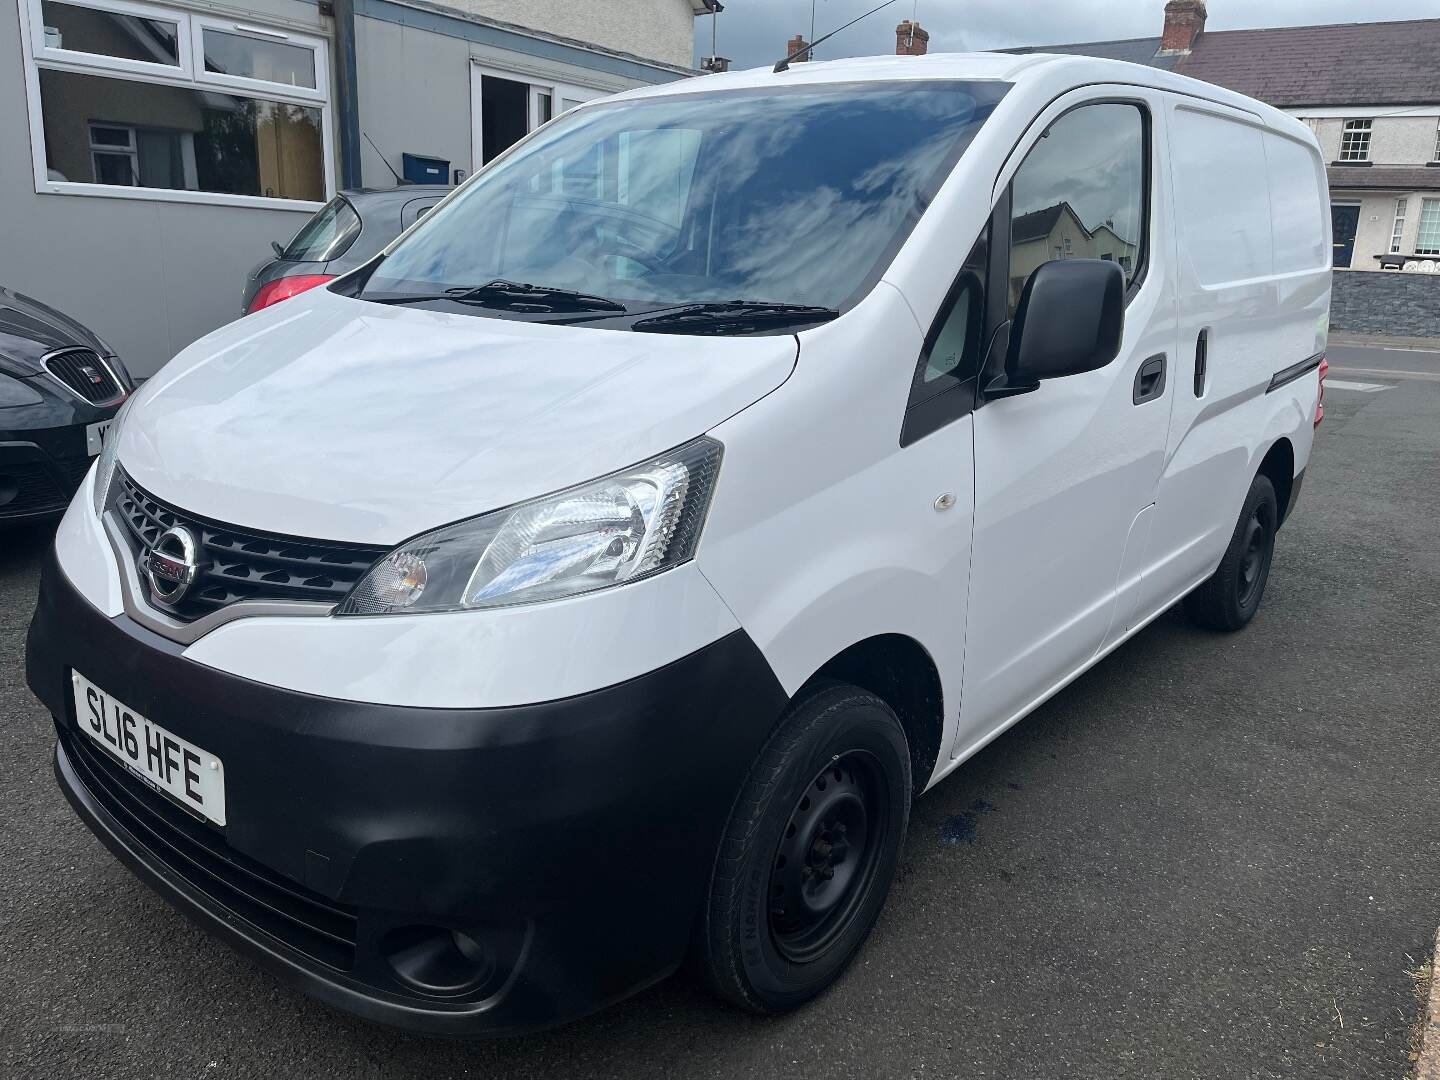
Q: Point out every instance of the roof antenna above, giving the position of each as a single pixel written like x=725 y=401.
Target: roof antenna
x=784 y=65
x=398 y=181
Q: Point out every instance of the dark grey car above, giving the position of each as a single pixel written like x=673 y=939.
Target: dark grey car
x=345 y=233
x=60 y=386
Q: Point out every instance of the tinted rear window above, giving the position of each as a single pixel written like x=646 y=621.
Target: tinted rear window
x=327 y=235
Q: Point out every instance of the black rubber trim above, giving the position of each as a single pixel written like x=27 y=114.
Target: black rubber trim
x=1293 y=372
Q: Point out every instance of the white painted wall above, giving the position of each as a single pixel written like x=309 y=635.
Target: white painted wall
x=661 y=30
x=1395 y=140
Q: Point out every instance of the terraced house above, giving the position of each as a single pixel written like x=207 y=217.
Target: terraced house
x=153 y=150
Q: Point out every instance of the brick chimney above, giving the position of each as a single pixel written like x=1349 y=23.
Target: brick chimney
x=1184 y=23
x=797 y=43
x=911 y=39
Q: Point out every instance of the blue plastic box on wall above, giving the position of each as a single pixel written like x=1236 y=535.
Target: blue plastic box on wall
x=424 y=170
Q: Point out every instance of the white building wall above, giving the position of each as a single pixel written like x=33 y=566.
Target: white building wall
x=1394 y=140
x=661 y=30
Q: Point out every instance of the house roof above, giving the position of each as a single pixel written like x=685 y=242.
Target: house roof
x=1362 y=64
x=1038 y=224
x=1383 y=178
x=1376 y=63
x=1131 y=50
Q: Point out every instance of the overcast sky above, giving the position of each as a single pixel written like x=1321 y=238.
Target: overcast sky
x=754 y=32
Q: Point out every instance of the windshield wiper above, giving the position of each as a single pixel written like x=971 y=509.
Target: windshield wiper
x=726 y=316
x=513 y=296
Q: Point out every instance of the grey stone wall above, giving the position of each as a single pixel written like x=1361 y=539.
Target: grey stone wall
x=1396 y=304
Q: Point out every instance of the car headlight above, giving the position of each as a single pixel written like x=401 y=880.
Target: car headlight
x=105 y=467
x=620 y=528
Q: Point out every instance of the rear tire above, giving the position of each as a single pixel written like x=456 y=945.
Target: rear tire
x=1231 y=596
x=809 y=852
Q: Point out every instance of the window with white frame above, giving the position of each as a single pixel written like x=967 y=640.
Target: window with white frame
x=134 y=98
x=1355 y=140
x=1428 y=242
x=1437 y=144
x=1397 y=234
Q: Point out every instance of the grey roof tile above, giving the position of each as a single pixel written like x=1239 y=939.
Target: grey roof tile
x=1374 y=63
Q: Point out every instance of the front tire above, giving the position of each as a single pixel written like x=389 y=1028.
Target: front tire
x=1228 y=600
x=809 y=852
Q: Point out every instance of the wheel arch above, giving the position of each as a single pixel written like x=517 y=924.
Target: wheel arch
x=1278 y=466
x=900 y=671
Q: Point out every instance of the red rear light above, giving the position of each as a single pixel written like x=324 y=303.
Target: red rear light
x=272 y=292
x=1320 y=402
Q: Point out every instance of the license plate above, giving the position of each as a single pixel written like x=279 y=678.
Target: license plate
x=95 y=436
x=166 y=762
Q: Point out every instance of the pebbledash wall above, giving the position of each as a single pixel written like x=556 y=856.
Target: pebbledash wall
x=151 y=273
x=1388 y=303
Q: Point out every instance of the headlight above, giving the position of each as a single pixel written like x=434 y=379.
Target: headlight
x=105 y=468
x=620 y=528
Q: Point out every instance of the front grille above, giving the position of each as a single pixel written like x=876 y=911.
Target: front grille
x=238 y=564
x=30 y=489
x=306 y=921
x=83 y=373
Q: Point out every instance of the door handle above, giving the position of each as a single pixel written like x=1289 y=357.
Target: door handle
x=1150 y=380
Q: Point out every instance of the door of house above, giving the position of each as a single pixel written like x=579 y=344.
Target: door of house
x=505 y=107
x=1346 y=221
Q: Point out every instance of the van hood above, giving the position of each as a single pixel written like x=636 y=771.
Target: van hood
x=340 y=419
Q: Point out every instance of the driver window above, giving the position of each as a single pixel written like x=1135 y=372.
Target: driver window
x=1081 y=194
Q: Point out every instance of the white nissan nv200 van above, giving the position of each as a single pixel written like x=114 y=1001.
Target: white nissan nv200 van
x=593 y=578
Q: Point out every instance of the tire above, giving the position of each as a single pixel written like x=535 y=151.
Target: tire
x=793 y=894
x=1228 y=600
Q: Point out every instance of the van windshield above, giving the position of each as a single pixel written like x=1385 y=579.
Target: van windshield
x=788 y=196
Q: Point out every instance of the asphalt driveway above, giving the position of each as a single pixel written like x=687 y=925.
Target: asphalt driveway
x=1210 y=857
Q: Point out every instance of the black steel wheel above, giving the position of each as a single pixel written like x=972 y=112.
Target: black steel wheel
x=809 y=852
x=828 y=853
x=1229 y=599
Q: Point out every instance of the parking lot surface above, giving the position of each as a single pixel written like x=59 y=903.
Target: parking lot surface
x=1211 y=856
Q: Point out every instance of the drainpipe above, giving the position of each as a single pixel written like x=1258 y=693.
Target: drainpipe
x=347 y=97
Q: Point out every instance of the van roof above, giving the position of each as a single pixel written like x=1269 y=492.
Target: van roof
x=988 y=66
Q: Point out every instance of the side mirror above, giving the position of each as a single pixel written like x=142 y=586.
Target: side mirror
x=1070 y=320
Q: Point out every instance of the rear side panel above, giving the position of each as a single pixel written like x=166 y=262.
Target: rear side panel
x=1253 y=244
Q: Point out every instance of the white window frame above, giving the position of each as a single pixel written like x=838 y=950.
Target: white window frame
x=1363 y=130
x=73 y=59
x=130 y=150
x=1397 y=233
x=262 y=88
x=1428 y=206
x=37 y=56
x=1437 y=143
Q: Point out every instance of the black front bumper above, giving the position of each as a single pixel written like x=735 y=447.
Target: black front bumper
x=575 y=837
x=43 y=453
x=39 y=472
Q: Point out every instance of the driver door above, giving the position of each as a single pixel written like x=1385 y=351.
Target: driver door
x=1065 y=476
